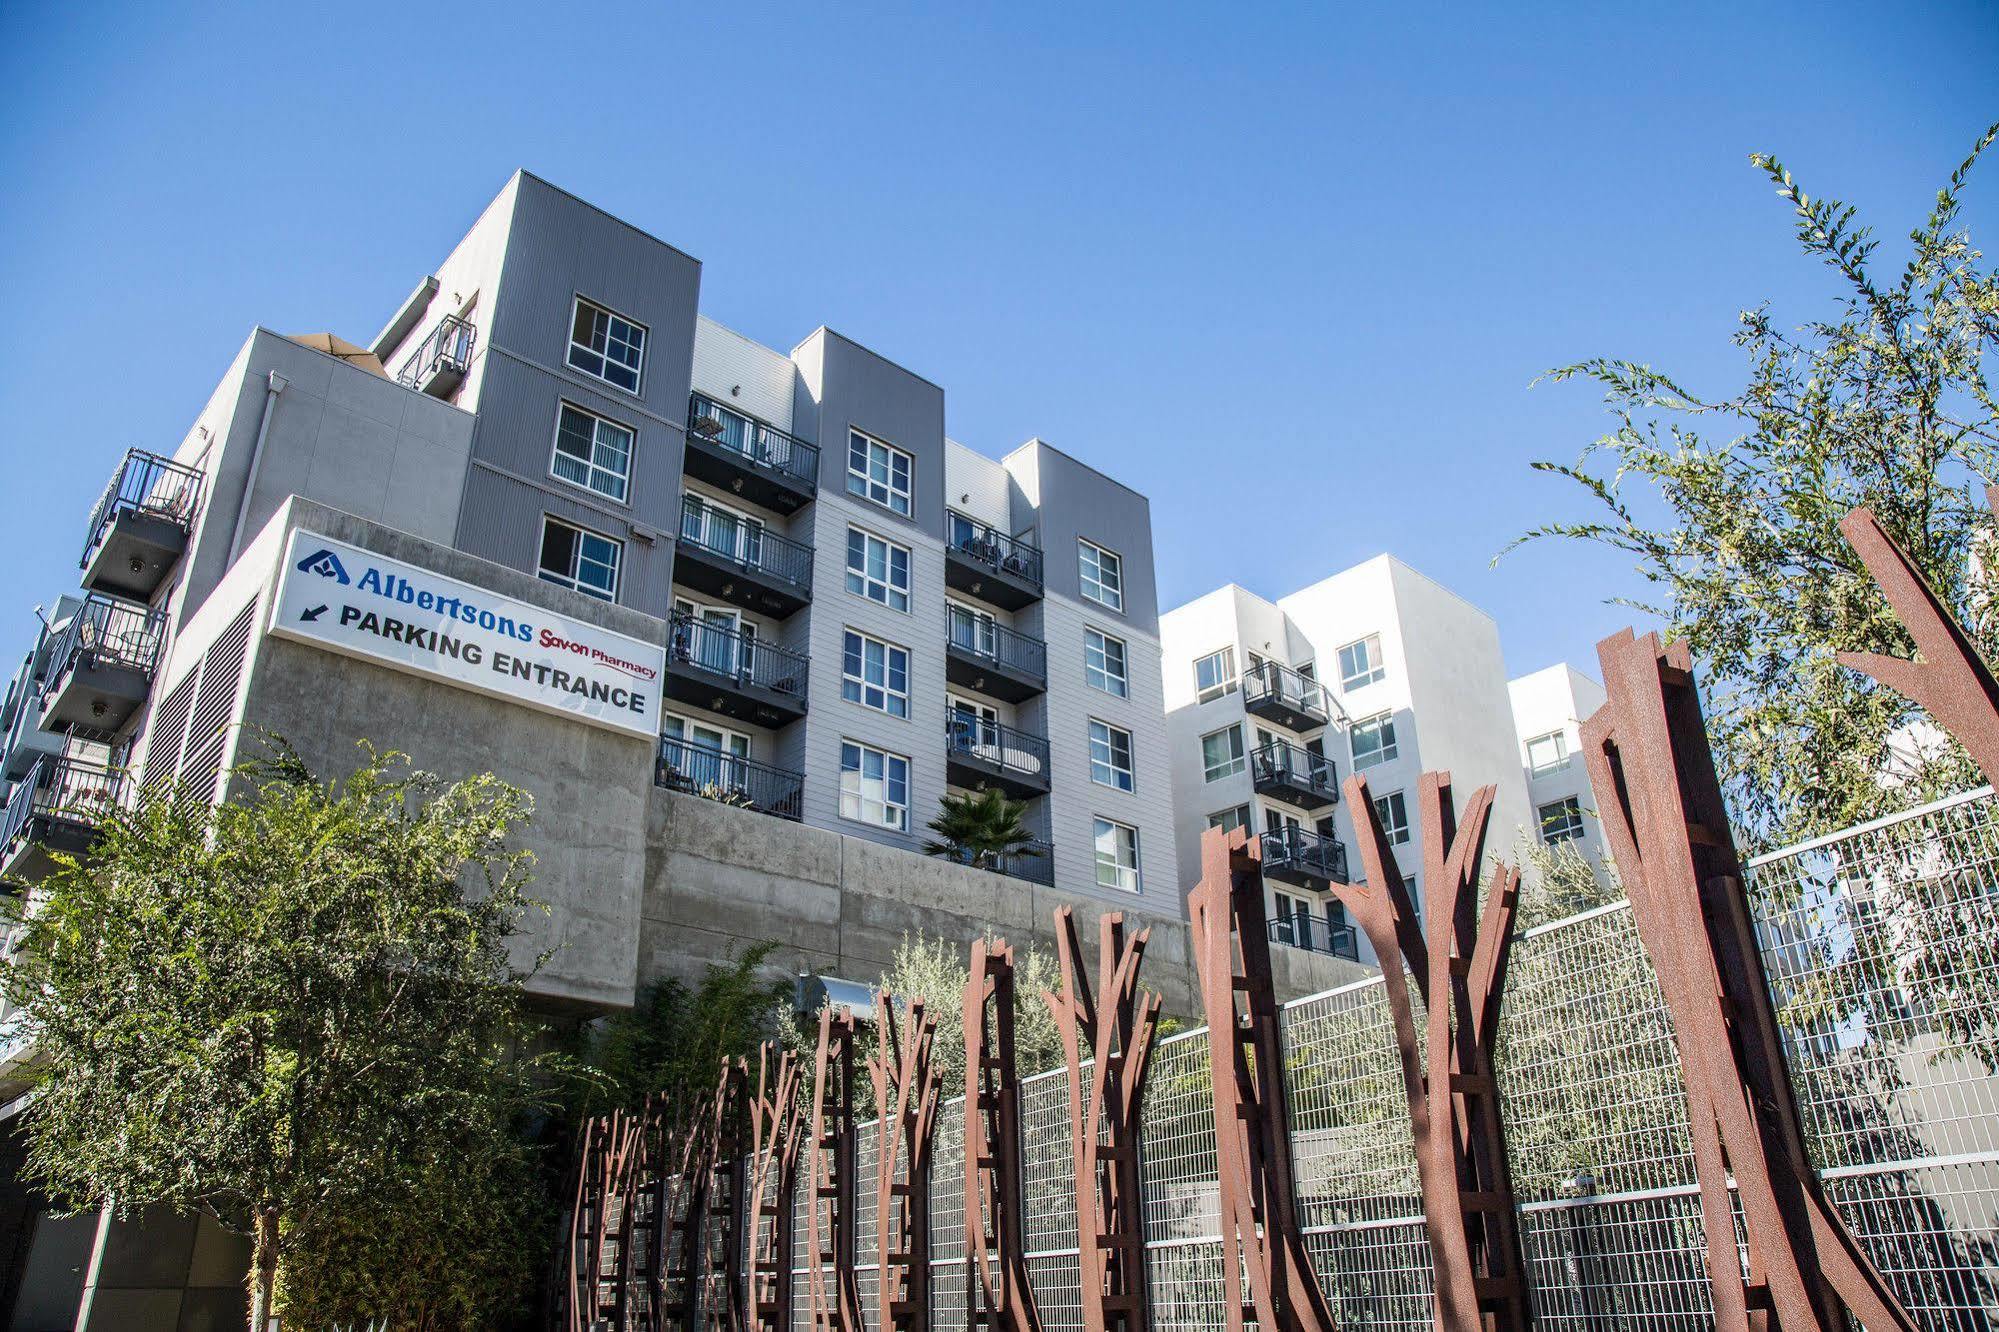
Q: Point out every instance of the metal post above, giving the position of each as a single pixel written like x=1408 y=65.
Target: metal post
x=908 y=1090
x=997 y=1294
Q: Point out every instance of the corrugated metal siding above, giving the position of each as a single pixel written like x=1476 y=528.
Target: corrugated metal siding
x=724 y=359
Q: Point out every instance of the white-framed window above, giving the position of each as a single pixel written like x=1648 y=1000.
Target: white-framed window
x=1221 y=753
x=1214 y=675
x=874 y=674
x=874 y=786
x=1373 y=740
x=715 y=638
x=578 y=558
x=1104 y=665
x=1393 y=811
x=1117 y=855
x=1548 y=753
x=1110 y=756
x=717 y=527
x=1228 y=820
x=1561 y=820
x=592 y=452
x=877 y=569
x=607 y=346
x=1360 y=663
x=1102 y=573
x=878 y=472
x=972 y=629
x=702 y=754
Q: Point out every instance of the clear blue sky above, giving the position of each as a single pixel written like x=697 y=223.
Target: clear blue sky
x=1288 y=273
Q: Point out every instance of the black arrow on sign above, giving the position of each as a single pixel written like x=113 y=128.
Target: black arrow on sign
x=313 y=614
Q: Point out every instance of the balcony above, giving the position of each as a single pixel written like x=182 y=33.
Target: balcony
x=994 y=660
x=734 y=674
x=730 y=779
x=58 y=807
x=981 y=753
x=1304 y=859
x=1295 y=775
x=1283 y=697
x=745 y=457
x=101 y=666
x=442 y=360
x=1316 y=936
x=741 y=562
x=139 y=529
x=986 y=563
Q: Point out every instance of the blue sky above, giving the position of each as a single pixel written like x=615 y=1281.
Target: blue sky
x=1288 y=272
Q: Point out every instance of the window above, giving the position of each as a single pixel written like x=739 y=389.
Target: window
x=714 y=527
x=1373 y=740
x=607 y=346
x=1561 y=820
x=1221 y=753
x=878 y=472
x=1110 y=756
x=1103 y=575
x=874 y=787
x=592 y=452
x=1228 y=820
x=875 y=674
x=1214 y=675
x=573 y=557
x=1393 y=813
x=878 y=569
x=1360 y=663
x=1103 y=663
x=973 y=630
x=1548 y=753
x=701 y=756
x=1117 y=856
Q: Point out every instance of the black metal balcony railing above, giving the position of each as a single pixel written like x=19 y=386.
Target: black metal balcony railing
x=148 y=484
x=1282 y=763
x=62 y=790
x=729 y=778
x=741 y=657
x=1301 y=701
x=1034 y=862
x=999 y=645
x=446 y=348
x=997 y=744
x=754 y=442
x=1295 y=851
x=104 y=632
x=987 y=545
x=748 y=546
x=1316 y=936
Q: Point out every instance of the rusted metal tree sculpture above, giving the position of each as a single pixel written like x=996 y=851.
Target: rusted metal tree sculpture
x=1258 y=1191
x=776 y=1132
x=598 y=1288
x=1952 y=681
x=721 y=1273
x=908 y=1089
x=1460 y=972
x=1104 y=1114
x=997 y=1293
x=831 y=1285
x=687 y=1204
x=1662 y=810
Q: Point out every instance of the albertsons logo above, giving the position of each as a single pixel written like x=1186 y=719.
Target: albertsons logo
x=326 y=564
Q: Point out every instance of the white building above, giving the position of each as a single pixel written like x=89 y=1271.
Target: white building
x=1549 y=707
x=1270 y=705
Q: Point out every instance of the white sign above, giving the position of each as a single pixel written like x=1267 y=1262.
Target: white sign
x=349 y=600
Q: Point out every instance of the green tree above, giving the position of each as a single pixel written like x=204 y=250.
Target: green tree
x=1884 y=401
x=297 y=1011
x=937 y=971
x=980 y=829
x=674 y=1038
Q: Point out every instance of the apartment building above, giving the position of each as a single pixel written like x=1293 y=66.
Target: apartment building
x=1549 y=707
x=1270 y=705
x=862 y=614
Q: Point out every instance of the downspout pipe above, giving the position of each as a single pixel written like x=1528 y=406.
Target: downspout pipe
x=274 y=386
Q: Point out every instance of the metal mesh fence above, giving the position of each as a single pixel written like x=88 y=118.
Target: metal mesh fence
x=1882 y=947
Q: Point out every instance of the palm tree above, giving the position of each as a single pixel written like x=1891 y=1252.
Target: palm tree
x=980 y=830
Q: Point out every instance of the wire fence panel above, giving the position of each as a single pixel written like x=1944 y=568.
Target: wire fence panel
x=1882 y=949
